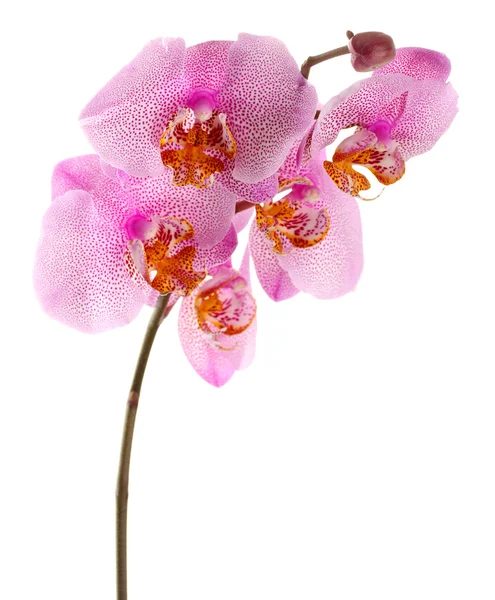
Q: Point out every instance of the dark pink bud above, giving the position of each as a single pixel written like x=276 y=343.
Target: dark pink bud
x=371 y=50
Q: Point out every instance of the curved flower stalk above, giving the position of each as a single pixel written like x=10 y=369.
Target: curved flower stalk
x=217 y=325
x=194 y=142
x=109 y=246
x=218 y=109
x=400 y=112
x=310 y=240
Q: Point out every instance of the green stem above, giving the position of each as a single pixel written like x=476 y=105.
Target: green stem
x=122 y=491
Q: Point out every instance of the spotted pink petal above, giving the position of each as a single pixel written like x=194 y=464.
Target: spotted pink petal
x=272 y=277
x=241 y=219
x=419 y=63
x=125 y=120
x=332 y=267
x=206 y=64
x=85 y=173
x=263 y=191
x=361 y=104
x=430 y=109
x=214 y=359
x=297 y=163
x=80 y=274
x=422 y=110
x=209 y=210
x=267 y=102
x=206 y=258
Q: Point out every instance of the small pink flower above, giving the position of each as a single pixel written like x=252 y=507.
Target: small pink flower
x=217 y=326
x=400 y=112
x=110 y=243
x=310 y=240
x=226 y=110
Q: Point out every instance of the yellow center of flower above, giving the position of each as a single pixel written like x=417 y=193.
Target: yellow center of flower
x=293 y=222
x=225 y=305
x=193 y=143
x=163 y=260
x=384 y=160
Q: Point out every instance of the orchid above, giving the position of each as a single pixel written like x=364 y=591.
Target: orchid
x=217 y=326
x=310 y=240
x=107 y=248
x=400 y=112
x=214 y=109
x=194 y=143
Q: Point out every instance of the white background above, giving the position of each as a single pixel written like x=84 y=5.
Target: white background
x=355 y=458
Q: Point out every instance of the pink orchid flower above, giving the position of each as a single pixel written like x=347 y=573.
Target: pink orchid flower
x=217 y=325
x=310 y=240
x=400 y=112
x=218 y=110
x=111 y=243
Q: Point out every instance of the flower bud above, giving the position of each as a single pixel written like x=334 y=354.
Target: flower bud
x=371 y=50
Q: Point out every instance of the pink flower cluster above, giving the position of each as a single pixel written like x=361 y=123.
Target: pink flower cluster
x=193 y=143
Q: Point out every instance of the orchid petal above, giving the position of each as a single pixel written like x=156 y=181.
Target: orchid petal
x=361 y=104
x=272 y=277
x=262 y=191
x=214 y=358
x=418 y=63
x=80 y=276
x=84 y=173
x=206 y=258
x=125 y=120
x=332 y=267
x=205 y=65
x=241 y=219
x=430 y=109
x=210 y=211
x=268 y=102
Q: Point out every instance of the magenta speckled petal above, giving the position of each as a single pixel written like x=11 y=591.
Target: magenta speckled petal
x=332 y=267
x=241 y=219
x=360 y=104
x=272 y=277
x=209 y=210
x=430 y=109
x=205 y=65
x=214 y=365
x=268 y=104
x=262 y=191
x=80 y=274
x=85 y=173
x=126 y=118
x=219 y=254
x=419 y=63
